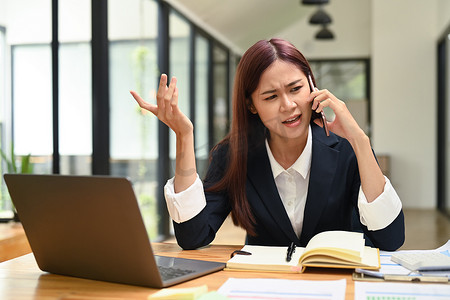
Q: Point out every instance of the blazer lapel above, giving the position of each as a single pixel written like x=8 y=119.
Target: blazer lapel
x=323 y=170
x=261 y=178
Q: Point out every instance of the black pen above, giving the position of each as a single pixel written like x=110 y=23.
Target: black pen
x=241 y=252
x=290 y=251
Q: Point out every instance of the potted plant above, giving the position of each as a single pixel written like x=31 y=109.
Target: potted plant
x=26 y=167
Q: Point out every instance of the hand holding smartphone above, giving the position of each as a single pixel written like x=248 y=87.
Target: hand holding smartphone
x=324 y=120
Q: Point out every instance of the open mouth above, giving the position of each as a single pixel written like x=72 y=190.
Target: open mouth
x=292 y=120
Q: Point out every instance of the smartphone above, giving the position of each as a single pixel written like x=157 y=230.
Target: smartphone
x=322 y=115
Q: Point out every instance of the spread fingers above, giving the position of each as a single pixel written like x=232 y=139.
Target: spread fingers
x=143 y=104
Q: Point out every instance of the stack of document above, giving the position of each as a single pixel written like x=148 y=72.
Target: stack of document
x=390 y=270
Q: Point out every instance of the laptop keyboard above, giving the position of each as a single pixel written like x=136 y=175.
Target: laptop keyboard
x=168 y=273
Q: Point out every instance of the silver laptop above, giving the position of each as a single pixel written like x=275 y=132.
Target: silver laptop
x=91 y=227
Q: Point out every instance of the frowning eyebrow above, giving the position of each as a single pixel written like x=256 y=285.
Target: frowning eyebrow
x=287 y=85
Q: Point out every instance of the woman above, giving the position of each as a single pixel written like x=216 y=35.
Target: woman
x=281 y=177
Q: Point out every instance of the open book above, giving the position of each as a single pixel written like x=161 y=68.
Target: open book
x=330 y=249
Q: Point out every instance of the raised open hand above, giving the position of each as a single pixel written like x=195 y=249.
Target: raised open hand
x=166 y=108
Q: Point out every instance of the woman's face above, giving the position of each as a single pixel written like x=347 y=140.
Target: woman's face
x=281 y=101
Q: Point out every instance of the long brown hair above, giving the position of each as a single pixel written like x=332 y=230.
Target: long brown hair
x=247 y=129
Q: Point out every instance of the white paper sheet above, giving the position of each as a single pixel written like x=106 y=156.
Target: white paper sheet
x=389 y=267
x=268 y=289
x=401 y=291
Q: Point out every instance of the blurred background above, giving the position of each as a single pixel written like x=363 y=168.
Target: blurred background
x=66 y=68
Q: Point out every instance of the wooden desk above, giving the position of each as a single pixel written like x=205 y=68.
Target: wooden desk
x=13 y=241
x=20 y=278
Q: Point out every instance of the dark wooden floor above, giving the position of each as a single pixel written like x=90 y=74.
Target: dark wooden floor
x=425 y=229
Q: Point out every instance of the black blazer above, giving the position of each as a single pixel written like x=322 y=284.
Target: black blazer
x=331 y=200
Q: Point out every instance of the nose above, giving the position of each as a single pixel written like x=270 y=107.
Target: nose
x=287 y=104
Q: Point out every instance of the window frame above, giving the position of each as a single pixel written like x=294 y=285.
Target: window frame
x=367 y=67
x=101 y=159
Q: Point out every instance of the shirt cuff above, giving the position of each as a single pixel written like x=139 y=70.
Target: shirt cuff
x=184 y=205
x=381 y=212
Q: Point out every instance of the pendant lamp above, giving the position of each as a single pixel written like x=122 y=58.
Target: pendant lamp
x=320 y=17
x=324 y=34
x=314 y=2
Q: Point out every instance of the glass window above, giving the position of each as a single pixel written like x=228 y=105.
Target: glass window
x=134 y=132
x=5 y=204
x=201 y=104
x=28 y=21
x=444 y=92
x=132 y=32
x=220 y=100
x=75 y=108
x=29 y=35
x=25 y=84
x=75 y=87
x=2 y=71
x=234 y=61
x=179 y=67
x=32 y=102
x=347 y=80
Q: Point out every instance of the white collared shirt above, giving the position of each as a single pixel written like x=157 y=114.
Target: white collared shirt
x=376 y=215
x=292 y=183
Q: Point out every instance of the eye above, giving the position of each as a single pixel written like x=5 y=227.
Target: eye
x=271 y=97
x=296 y=88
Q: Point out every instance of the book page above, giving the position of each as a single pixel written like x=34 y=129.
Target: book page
x=371 y=257
x=370 y=260
x=351 y=242
x=265 y=257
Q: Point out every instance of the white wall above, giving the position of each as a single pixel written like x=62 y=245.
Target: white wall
x=404 y=95
x=3 y=10
x=443 y=15
x=351 y=28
